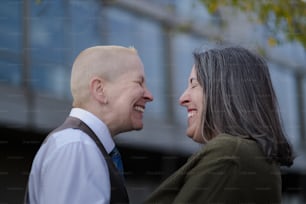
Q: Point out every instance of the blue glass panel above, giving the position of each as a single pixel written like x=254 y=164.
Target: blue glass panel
x=47 y=30
x=59 y=31
x=49 y=45
x=87 y=24
x=51 y=78
x=10 y=72
x=10 y=42
x=11 y=26
x=121 y=27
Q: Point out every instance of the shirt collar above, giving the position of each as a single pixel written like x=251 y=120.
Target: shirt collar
x=97 y=126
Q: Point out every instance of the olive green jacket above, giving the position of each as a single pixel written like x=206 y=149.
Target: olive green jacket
x=227 y=170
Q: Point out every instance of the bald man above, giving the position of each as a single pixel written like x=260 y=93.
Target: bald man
x=73 y=164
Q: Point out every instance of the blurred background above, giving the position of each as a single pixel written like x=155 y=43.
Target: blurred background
x=39 y=40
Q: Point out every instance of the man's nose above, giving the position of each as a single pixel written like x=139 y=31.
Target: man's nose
x=148 y=96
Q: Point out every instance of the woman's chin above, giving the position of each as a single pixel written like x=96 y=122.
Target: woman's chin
x=196 y=138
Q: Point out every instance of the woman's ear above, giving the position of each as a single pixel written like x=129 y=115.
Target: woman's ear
x=97 y=86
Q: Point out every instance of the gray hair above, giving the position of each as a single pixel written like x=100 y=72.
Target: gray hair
x=239 y=100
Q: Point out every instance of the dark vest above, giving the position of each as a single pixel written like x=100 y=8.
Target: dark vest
x=118 y=190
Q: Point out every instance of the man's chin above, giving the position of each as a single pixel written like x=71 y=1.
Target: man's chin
x=138 y=127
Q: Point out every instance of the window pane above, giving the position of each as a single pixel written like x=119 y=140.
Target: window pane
x=10 y=42
x=87 y=25
x=58 y=34
x=10 y=72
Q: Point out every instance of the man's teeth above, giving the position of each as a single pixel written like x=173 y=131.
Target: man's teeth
x=191 y=114
x=139 y=108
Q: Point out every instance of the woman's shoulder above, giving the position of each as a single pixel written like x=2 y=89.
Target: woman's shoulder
x=230 y=140
x=224 y=141
x=226 y=144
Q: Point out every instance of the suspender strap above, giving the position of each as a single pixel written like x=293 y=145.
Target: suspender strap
x=118 y=190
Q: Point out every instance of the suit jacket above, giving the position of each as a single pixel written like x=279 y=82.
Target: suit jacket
x=227 y=170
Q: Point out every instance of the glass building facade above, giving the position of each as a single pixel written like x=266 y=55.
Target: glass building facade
x=40 y=39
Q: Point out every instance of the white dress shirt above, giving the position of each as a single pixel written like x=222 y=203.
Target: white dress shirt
x=69 y=168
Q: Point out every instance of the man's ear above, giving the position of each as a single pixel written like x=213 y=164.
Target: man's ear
x=97 y=86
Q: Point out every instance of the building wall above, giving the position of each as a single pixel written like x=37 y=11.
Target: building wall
x=40 y=39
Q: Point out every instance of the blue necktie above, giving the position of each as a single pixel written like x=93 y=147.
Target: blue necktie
x=116 y=157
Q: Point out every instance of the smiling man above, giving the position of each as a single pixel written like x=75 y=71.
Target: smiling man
x=75 y=164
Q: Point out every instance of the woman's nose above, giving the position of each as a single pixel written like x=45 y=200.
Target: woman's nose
x=183 y=100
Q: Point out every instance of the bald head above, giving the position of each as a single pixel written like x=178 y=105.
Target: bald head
x=107 y=62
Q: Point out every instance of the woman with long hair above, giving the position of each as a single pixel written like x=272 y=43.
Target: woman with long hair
x=232 y=109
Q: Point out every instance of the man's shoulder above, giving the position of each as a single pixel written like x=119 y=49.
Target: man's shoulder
x=63 y=141
x=67 y=136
